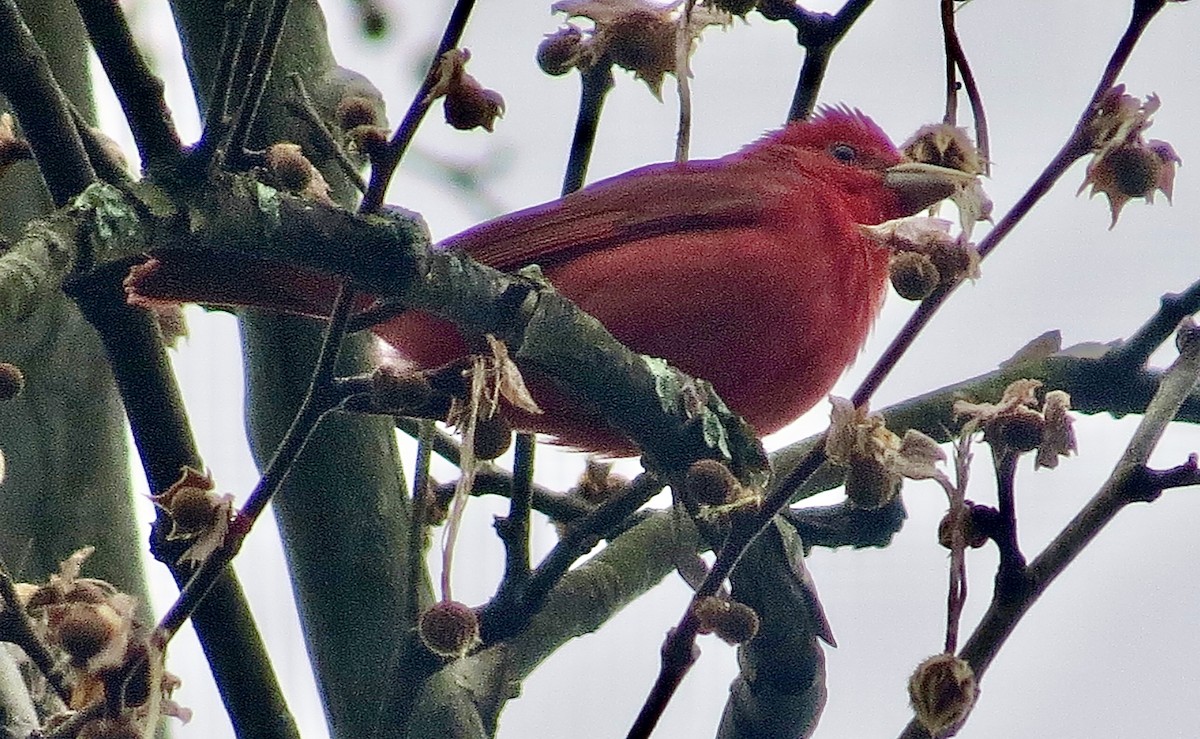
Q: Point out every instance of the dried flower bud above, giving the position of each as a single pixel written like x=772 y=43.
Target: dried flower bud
x=1126 y=166
x=737 y=625
x=449 y=629
x=642 y=42
x=710 y=482
x=84 y=630
x=945 y=146
x=467 y=104
x=942 y=690
x=954 y=260
x=192 y=509
x=708 y=611
x=12 y=381
x=288 y=166
x=493 y=436
x=1134 y=170
x=973 y=536
x=370 y=141
x=87 y=591
x=561 y=51
x=393 y=389
x=1020 y=431
x=355 y=110
x=914 y=275
x=870 y=484
x=471 y=105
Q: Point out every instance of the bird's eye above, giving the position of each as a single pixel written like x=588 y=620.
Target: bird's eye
x=844 y=152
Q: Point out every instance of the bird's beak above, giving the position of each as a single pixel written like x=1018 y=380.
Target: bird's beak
x=919 y=185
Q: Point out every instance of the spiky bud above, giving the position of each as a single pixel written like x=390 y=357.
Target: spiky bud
x=354 y=111
x=914 y=275
x=12 y=381
x=493 y=437
x=561 y=51
x=942 y=691
x=449 y=629
x=709 y=482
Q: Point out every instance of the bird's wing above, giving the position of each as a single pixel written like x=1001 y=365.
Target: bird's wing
x=647 y=202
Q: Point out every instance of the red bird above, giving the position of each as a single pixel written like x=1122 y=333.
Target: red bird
x=749 y=271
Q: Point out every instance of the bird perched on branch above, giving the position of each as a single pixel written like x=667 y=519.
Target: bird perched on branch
x=751 y=271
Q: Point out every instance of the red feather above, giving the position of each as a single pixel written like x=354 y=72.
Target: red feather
x=749 y=271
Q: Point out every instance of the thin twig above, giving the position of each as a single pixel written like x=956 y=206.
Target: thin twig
x=260 y=73
x=818 y=33
x=1011 y=574
x=216 y=116
x=383 y=167
x=324 y=136
x=595 y=83
x=1123 y=486
x=41 y=106
x=1135 y=351
x=136 y=87
x=514 y=528
x=17 y=628
x=312 y=409
x=498 y=620
x=956 y=58
x=422 y=499
x=1076 y=147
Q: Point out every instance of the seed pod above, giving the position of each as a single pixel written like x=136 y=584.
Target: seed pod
x=709 y=482
x=942 y=691
x=449 y=629
x=12 y=381
x=914 y=275
x=561 y=51
x=354 y=111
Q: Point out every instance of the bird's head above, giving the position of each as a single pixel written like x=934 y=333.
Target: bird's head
x=846 y=150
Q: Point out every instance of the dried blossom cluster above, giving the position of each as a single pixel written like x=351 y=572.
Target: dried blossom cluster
x=925 y=256
x=1124 y=165
x=942 y=691
x=1016 y=423
x=947 y=146
x=110 y=657
x=199 y=516
x=466 y=103
x=636 y=35
x=875 y=458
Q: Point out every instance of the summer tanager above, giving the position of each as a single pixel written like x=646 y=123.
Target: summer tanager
x=749 y=271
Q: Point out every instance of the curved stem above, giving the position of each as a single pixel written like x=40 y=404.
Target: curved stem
x=385 y=166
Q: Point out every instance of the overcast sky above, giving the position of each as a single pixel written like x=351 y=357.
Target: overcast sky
x=1111 y=651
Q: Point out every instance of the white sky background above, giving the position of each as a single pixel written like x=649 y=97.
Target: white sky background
x=1110 y=651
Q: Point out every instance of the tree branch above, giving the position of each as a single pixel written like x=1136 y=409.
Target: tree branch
x=42 y=108
x=1126 y=484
